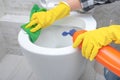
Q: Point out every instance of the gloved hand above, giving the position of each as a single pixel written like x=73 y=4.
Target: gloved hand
x=93 y=40
x=44 y=19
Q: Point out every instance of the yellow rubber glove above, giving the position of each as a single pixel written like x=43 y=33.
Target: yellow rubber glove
x=93 y=40
x=44 y=19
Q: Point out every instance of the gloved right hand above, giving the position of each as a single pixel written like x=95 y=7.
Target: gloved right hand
x=93 y=40
x=44 y=19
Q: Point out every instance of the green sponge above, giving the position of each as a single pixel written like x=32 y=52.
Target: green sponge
x=33 y=36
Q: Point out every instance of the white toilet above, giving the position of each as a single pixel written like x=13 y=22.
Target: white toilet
x=52 y=57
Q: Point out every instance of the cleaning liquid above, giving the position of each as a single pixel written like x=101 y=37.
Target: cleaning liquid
x=108 y=56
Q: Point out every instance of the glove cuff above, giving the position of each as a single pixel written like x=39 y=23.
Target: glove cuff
x=60 y=11
x=115 y=33
x=64 y=9
x=63 y=2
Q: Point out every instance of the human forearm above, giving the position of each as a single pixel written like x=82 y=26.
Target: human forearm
x=86 y=5
x=82 y=5
x=74 y=4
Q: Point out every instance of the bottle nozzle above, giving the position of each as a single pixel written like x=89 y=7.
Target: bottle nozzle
x=71 y=32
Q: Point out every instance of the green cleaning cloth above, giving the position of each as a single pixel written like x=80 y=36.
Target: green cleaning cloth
x=33 y=36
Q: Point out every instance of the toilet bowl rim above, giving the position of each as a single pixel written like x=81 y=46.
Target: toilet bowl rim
x=26 y=44
x=24 y=41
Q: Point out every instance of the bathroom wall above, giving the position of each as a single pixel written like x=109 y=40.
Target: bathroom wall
x=11 y=14
x=3 y=50
x=8 y=30
x=19 y=6
x=1 y=8
x=2 y=43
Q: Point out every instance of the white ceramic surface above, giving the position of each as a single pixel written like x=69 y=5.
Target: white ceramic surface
x=48 y=3
x=52 y=56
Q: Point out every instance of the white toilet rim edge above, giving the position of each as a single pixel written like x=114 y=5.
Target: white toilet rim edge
x=25 y=43
x=91 y=23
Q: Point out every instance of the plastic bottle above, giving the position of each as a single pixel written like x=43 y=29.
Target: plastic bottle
x=108 y=56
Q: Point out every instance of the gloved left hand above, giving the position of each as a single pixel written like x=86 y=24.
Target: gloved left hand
x=93 y=40
x=44 y=19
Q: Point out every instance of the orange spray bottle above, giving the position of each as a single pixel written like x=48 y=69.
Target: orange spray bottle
x=108 y=56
